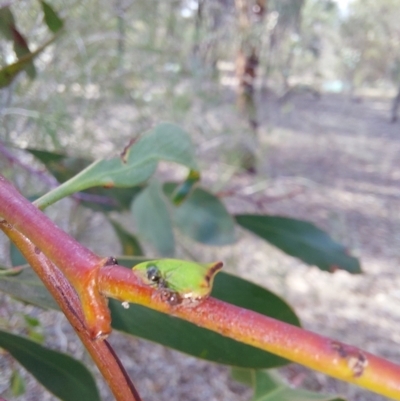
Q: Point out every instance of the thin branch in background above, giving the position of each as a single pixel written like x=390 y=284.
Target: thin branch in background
x=262 y=201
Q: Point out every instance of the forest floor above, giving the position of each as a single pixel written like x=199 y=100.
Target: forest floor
x=346 y=155
x=332 y=161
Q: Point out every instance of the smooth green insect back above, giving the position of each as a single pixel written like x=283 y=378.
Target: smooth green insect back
x=179 y=281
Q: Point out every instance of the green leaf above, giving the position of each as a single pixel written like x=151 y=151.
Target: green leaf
x=301 y=239
x=17 y=384
x=183 y=190
x=203 y=217
x=9 y=29
x=7 y=21
x=10 y=72
x=53 y=21
x=27 y=287
x=202 y=343
x=62 y=375
x=21 y=49
x=134 y=166
x=244 y=376
x=60 y=165
x=269 y=387
x=130 y=245
x=31 y=321
x=63 y=167
x=153 y=221
x=16 y=256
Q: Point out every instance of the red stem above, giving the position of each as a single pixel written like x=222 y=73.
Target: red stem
x=77 y=263
x=64 y=294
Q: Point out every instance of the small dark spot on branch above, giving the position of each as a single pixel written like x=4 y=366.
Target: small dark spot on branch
x=356 y=360
x=111 y=261
x=4 y=223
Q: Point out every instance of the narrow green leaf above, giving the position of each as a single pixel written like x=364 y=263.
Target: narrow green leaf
x=21 y=49
x=60 y=165
x=10 y=72
x=153 y=221
x=242 y=375
x=268 y=386
x=36 y=336
x=31 y=321
x=62 y=375
x=27 y=287
x=7 y=21
x=9 y=30
x=16 y=257
x=134 y=166
x=301 y=239
x=17 y=384
x=11 y=271
x=53 y=21
x=203 y=217
x=130 y=244
x=183 y=190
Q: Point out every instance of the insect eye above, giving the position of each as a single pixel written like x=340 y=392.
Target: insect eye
x=153 y=274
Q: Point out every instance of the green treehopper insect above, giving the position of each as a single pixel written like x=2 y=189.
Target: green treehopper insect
x=179 y=281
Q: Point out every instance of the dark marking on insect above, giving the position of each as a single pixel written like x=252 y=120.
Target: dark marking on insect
x=166 y=293
x=37 y=250
x=111 y=261
x=154 y=274
x=172 y=297
x=356 y=360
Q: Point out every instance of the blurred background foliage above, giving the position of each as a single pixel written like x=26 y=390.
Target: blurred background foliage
x=122 y=66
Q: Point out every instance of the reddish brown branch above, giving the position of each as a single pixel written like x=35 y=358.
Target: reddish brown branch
x=77 y=263
x=62 y=291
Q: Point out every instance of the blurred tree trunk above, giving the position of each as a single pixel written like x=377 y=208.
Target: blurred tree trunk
x=250 y=13
x=208 y=21
x=395 y=106
x=120 y=10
